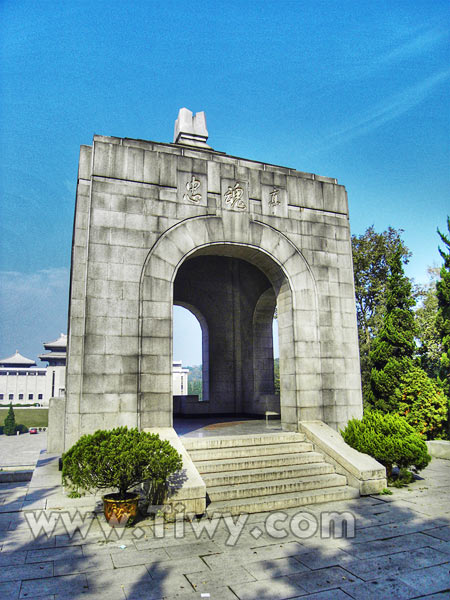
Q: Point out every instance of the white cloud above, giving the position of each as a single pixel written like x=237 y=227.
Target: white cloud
x=33 y=309
x=387 y=54
x=392 y=107
x=418 y=44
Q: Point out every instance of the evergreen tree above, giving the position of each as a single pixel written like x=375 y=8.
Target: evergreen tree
x=9 y=427
x=394 y=347
x=371 y=254
x=443 y=313
x=430 y=347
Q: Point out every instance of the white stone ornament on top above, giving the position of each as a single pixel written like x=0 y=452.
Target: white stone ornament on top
x=191 y=129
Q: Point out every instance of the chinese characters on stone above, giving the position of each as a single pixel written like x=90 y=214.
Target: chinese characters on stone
x=274 y=199
x=233 y=197
x=192 y=186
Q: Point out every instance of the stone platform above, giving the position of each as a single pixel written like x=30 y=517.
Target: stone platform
x=223 y=426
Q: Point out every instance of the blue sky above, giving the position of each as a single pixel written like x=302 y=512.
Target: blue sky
x=348 y=89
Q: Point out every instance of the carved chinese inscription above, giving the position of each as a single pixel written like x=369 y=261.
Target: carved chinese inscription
x=192 y=187
x=274 y=199
x=234 y=197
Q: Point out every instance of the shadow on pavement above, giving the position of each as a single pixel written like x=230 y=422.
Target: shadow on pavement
x=399 y=548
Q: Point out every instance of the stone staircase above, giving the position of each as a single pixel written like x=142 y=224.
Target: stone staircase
x=264 y=472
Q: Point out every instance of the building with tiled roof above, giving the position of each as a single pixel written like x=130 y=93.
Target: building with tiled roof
x=22 y=382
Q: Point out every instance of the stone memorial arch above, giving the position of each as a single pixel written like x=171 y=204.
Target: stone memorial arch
x=230 y=239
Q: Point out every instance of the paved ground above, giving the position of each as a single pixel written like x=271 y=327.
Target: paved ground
x=401 y=550
x=21 y=450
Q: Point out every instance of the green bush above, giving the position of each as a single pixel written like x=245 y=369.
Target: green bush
x=21 y=428
x=389 y=439
x=423 y=403
x=120 y=458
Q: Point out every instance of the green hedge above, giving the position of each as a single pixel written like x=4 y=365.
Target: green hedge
x=389 y=439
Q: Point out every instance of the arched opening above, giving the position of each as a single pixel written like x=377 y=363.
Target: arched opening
x=193 y=343
x=264 y=365
x=187 y=337
x=235 y=303
x=270 y=260
x=276 y=355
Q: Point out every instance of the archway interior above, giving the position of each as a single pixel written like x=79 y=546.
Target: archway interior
x=234 y=302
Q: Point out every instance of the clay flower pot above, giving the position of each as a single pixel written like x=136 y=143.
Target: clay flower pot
x=120 y=512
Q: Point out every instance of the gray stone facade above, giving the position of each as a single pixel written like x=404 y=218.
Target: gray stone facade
x=158 y=224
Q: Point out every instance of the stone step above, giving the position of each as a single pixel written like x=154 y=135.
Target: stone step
x=231 y=441
x=213 y=454
x=257 y=462
x=282 y=501
x=266 y=474
x=270 y=488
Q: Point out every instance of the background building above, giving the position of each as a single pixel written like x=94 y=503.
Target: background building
x=180 y=379
x=23 y=382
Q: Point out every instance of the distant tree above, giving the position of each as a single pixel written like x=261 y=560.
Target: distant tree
x=430 y=348
x=393 y=349
x=371 y=254
x=9 y=427
x=276 y=375
x=443 y=313
x=195 y=383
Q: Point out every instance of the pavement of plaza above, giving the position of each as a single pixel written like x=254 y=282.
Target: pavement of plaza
x=21 y=450
x=399 y=549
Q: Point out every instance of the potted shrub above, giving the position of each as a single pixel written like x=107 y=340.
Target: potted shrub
x=389 y=439
x=120 y=458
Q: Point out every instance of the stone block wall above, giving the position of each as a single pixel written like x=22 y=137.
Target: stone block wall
x=142 y=210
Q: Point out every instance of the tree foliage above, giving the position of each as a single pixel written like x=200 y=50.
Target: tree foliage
x=9 y=427
x=120 y=458
x=371 y=254
x=276 y=375
x=443 y=313
x=393 y=349
x=422 y=402
x=195 y=382
x=389 y=439
x=430 y=347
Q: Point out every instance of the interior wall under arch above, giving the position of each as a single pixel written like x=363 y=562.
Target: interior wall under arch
x=263 y=366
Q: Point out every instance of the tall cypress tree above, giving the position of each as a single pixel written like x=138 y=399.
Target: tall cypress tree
x=371 y=253
x=393 y=349
x=9 y=427
x=443 y=314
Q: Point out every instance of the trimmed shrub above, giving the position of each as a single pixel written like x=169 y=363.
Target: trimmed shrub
x=120 y=458
x=389 y=439
x=21 y=428
x=423 y=403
